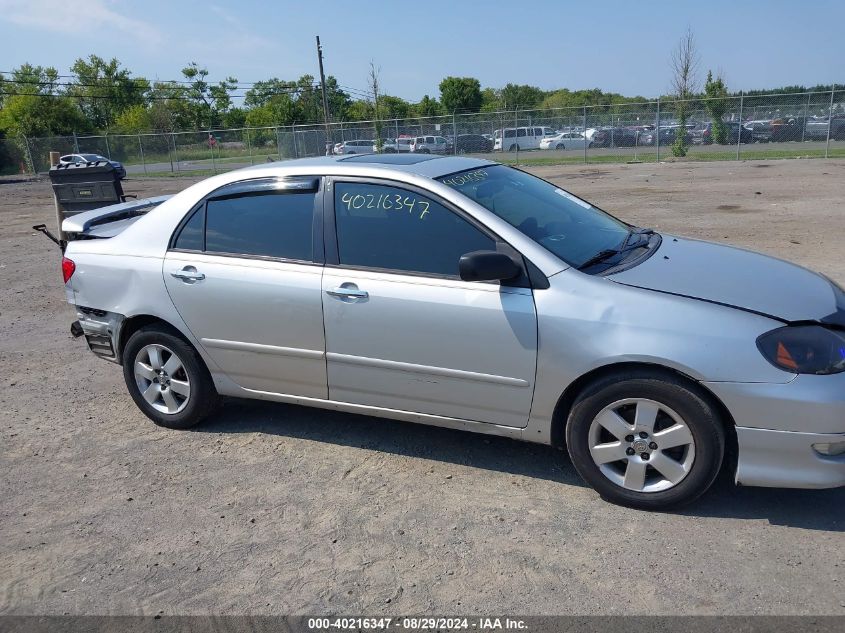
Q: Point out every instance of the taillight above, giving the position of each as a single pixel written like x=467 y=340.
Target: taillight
x=68 y=268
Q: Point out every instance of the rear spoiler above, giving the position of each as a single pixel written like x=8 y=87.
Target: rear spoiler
x=86 y=223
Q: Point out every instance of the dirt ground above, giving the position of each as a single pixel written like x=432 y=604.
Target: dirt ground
x=275 y=509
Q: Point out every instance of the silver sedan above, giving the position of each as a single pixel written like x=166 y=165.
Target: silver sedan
x=462 y=293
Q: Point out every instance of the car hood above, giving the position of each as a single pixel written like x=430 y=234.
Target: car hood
x=738 y=278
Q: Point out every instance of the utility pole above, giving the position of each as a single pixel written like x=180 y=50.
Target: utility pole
x=325 y=99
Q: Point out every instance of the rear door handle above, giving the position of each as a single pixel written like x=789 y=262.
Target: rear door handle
x=188 y=274
x=347 y=293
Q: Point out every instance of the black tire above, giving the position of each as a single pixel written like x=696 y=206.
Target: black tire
x=513 y=148
x=560 y=146
x=690 y=403
x=203 y=398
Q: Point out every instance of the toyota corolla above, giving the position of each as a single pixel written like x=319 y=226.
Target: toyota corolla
x=463 y=293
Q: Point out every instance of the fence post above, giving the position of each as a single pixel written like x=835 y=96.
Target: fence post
x=829 y=122
x=278 y=143
x=29 y=156
x=211 y=150
x=806 y=114
x=657 y=131
x=75 y=143
x=586 y=142
x=141 y=147
x=249 y=146
x=293 y=133
x=739 y=129
x=455 y=135
x=175 y=153
x=169 y=154
x=108 y=149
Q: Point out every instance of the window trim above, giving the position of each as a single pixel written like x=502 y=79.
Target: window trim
x=332 y=254
x=259 y=186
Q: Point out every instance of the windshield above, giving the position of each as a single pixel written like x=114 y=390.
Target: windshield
x=569 y=227
x=93 y=157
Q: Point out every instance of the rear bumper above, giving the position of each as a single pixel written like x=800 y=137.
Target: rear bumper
x=101 y=330
x=786 y=459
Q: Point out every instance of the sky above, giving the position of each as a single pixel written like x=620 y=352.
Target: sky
x=616 y=45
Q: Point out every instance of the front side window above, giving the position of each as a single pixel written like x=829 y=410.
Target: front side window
x=569 y=227
x=380 y=226
x=263 y=224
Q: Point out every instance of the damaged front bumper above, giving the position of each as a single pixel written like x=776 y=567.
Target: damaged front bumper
x=101 y=331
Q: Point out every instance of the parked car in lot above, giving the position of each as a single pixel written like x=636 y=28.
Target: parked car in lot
x=761 y=131
x=817 y=128
x=787 y=129
x=522 y=138
x=495 y=302
x=470 y=144
x=667 y=136
x=614 y=137
x=429 y=145
x=565 y=140
x=399 y=145
x=357 y=146
x=72 y=159
x=702 y=134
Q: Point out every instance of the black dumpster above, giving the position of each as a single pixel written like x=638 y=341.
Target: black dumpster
x=82 y=186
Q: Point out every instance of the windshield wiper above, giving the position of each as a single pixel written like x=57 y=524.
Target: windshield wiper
x=636 y=231
x=624 y=248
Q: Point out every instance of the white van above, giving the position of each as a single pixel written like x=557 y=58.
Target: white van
x=521 y=138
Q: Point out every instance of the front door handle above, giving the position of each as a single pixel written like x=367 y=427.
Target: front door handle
x=188 y=274
x=345 y=292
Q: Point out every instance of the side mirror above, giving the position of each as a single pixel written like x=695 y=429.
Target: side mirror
x=487 y=266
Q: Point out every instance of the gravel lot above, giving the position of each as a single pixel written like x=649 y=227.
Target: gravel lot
x=274 y=509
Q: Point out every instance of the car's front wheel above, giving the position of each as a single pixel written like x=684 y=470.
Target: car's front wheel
x=167 y=379
x=648 y=441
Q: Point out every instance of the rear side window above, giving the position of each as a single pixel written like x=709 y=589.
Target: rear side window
x=392 y=228
x=269 y=225
x=265 y=224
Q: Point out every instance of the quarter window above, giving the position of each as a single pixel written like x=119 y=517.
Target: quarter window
x=192 y=236
x=387 y=227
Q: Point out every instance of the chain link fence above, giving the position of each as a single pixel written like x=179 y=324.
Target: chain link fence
x=801 y=125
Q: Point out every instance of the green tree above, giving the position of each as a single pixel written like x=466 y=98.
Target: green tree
x=34 y=106
x=394 y=107
x=104 y=90
x=491 y=100
x=522 y=97
x=460 y=94
x=207 y=102
x=134 y=119
x=427 y=107
x=717 y=104
x=360 y=110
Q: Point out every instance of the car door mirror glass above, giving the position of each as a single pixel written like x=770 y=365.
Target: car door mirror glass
x=487 y=266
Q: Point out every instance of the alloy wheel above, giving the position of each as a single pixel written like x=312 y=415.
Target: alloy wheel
x=161 y=379
x=641 y=445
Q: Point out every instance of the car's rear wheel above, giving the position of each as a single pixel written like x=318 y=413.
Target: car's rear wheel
x=513 y=147
x=167 y=379
x=559 y=146
x=646 y=440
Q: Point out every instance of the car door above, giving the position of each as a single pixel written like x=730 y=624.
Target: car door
x=243 y=272
x=403 y=331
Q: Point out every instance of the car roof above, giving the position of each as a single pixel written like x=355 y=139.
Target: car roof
x=426 y=165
